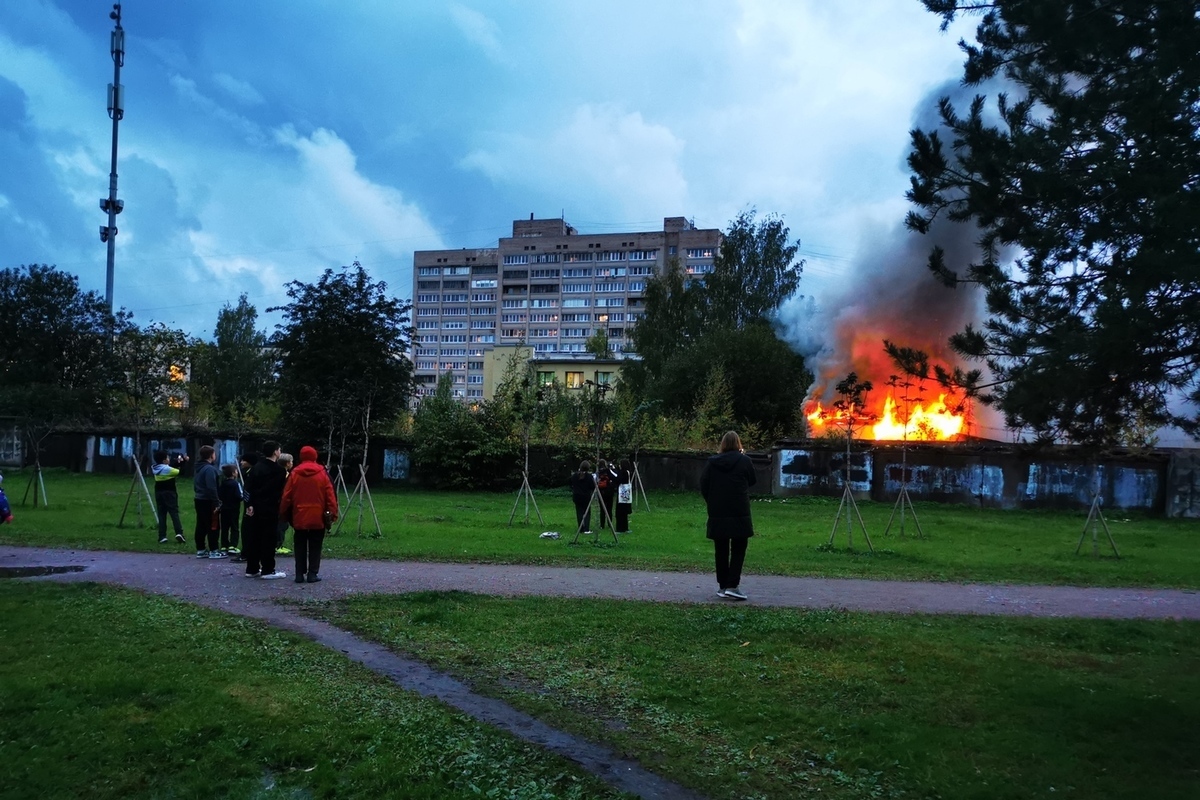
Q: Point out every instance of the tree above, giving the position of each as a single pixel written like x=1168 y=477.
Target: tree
x=344 y=371
x=1088 y=169
x=54 y=340
x=463 y=447
x=693 y=326
x=236 y=368
x=151 y=363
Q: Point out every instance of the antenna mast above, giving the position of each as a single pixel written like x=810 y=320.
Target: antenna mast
x=116 y=110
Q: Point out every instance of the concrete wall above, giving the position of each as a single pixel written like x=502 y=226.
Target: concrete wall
x=1183 y=484
x=1000 y=476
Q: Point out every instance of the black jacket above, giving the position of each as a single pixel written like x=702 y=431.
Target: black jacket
x=264 y=485
x=582 y=486
x=725 y=484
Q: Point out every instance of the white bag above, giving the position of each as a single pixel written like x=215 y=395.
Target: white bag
x=625 y=493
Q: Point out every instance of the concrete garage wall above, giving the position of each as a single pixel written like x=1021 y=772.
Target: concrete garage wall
x=1183 y=484
x=998 y=476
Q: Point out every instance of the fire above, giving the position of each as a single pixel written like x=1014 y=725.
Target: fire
x=935 y=422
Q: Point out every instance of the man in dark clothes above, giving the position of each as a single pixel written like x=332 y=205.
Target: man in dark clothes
x=207 y=504
x=264 y=485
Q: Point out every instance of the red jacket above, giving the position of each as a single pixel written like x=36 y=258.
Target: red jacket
x=307 y=496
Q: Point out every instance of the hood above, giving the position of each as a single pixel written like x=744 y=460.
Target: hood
x=308 y=453
x=307 y=468
x=726 y=461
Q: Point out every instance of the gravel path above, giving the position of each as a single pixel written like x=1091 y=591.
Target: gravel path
x=220 y=584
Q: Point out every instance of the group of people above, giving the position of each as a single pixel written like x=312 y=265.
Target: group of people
x=615 y=487
x=265 y=495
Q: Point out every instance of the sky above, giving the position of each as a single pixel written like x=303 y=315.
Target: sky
x=265 y=141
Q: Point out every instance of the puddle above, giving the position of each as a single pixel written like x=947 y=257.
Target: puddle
x=34 y=572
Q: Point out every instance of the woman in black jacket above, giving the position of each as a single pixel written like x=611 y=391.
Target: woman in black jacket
x=582 y=487
x=725 y=485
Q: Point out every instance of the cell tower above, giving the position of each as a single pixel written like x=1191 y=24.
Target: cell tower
x=116 y=110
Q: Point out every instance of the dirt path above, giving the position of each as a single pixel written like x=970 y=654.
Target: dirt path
x=220 y=584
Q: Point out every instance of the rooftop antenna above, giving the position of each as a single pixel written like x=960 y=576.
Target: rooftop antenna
x=116 y=110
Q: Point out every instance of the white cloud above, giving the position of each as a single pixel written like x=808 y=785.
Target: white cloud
x=480 y=30
x=239 y=90
x=186 y=88
x=630 y=165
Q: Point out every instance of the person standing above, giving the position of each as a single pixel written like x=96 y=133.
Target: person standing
x=583 y=484
x=230 y=493
x=725 y=485
x=166 y=495
x=624 y=495
x=285 y=461
x=208 y=502
x=310 y=506
x=606 y=480
x=5 y=510
x=264 y=484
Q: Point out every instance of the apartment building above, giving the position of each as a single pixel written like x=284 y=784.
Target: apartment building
x=548 y=285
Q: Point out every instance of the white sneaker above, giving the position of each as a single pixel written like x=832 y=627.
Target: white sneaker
x=720 y=592
x=201 y=554
x=274 y=576
x=216 y=554
x=734 y=594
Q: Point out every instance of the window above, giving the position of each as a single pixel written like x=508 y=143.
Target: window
x=574 y=348
x=576 y=257
x=426 y=285
x=544 y=273
x=545 y=378
x=512 y=318
x=454 y=326
x=611 y=272
x=427 y=298
x=547 y=347
x=483 y=324
x=514 y=304
x=483 y=297
x=543 y=317
x=423 y=271
x=487 y=283
x=604 y=378
x=428 y=312
x=576 y=288
x=544 y=288
x=700 y=252
x=616 y=286
x=672 y=250
x=481 y=270
x=475 y=379
x=577 y=333
x=637 y=286
x=512 y=333
x=643 y=255
x=454 y=297
x=516 y=274
x=458 y=270
x=616 y=333
x=427 y=351
x=427 y=325
x=483 y=311
x=427 y=338
x=576 y=317
x=546 y=258
x=474 y=365
x=611 y=255
x=426 y=364
x=516 y=260
x=454 y=284
x=451 y=352
x=544 y=303
x=574 y=380
x=474 y=392
x=454 y=338
x=577 y=272
x=577 y=302
x=454 y=311
x=639 y=271
x=484 y=338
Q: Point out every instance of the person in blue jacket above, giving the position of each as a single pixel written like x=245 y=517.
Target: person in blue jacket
x=5 y=510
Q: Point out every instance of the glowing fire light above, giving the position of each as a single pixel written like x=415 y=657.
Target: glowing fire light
x=935 y=422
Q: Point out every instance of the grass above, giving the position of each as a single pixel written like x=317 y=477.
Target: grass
x=105 y=693
x=745 y=702
x=963 y=544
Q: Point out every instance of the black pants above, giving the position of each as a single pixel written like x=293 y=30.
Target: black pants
x=206 y=531
x=731 y=553
x=308 y=551
x=623 y=510
x=606 y=513
x=259 y=541
x=229 y=526
x=583 y=514
x=168 y=503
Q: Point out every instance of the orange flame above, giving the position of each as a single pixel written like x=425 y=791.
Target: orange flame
x=935 y=422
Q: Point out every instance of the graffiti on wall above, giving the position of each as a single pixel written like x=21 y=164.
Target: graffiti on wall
x=984 y=481
x=1120 y=486
x=805 y=469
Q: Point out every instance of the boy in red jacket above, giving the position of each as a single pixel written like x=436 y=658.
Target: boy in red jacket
x=309 y=504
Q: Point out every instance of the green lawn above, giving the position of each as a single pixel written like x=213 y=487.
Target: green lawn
x=963 y=544
x=105 y=693
x=742 y=702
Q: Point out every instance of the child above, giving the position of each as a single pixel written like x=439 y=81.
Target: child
x=166 y=497
x=285 y=460
x=582 y=486
x=5 y=511
x=230 y=494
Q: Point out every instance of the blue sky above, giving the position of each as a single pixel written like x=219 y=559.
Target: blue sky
x=265 y=141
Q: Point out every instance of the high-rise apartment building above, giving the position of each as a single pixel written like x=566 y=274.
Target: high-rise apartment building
x=548 y=286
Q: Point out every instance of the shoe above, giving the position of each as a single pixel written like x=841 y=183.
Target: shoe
x=314 y=577
x=253 y=574
x=163 y=540
x=734 y=594
x=179 y=538
x=238 y=560
x=720 y=592
x=282 y=551
x=299 y=579
x=274 y=576
x=201 y=554
x=217 y=554
x=233 y=551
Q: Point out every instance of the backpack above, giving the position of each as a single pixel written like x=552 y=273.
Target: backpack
x=603 y=479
